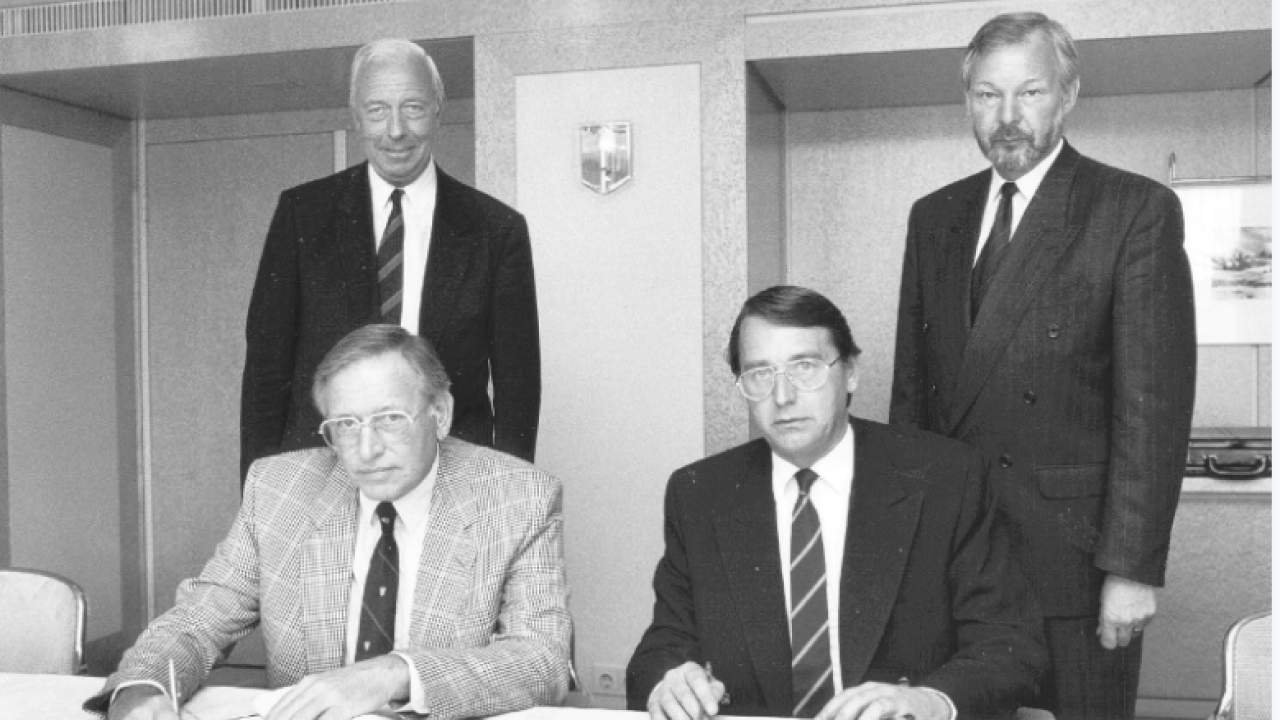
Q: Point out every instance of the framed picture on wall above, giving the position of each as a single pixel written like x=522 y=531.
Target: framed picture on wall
x=1229 y=245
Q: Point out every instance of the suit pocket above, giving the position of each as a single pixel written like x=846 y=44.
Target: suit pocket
x=1071 y=481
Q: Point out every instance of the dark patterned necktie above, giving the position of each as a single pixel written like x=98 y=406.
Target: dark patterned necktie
x=378 y=612
x=391 y=262
x=811 y=682
x=994 y=252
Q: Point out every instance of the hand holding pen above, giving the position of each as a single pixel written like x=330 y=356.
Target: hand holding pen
x=687 y=692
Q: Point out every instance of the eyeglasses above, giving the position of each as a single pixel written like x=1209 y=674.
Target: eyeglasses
x=344 y=432
x=805 y=375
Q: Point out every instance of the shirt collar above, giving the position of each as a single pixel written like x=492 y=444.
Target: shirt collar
x=412 y=509
x=1029 y=183
x=834 y=468
x=417 y=192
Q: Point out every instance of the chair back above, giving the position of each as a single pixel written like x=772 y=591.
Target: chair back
x=1246 y=692
x=42 y=621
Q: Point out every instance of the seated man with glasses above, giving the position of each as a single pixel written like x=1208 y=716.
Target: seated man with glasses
x=837 y=567
x=398 y=567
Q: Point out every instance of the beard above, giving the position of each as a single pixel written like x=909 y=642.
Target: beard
x=1013 y=151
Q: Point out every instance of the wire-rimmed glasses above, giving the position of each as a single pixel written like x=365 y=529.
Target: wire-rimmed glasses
x=805 y=375
x=344 y=432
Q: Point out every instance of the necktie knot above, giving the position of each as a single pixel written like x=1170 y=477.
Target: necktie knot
x=399 y=193
x=805 y=479
x=386 y=513
x=1007 y=191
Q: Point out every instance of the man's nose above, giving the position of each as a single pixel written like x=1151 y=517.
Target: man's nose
x=395 y=124
x=370 y=442
x=1010 y=111
x=784 y=393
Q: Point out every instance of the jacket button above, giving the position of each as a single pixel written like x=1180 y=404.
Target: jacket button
x=1029 y=397
x=1055 y=330
x=925 y=328
x=933 y=389
x=1006 y=461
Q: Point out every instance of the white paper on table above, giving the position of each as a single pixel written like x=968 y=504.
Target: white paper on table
x=263 y=703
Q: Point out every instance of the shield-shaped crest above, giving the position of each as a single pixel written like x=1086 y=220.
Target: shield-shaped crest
x=606 y=155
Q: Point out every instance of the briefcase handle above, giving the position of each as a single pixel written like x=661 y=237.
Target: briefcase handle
x=1259 y=469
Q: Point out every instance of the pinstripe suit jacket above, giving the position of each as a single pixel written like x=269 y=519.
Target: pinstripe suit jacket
x=489 y=630
x=1078 y=378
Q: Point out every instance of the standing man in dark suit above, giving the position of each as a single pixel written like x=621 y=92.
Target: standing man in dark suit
x=837 y=566
x=394 y=240
x=1047 y=318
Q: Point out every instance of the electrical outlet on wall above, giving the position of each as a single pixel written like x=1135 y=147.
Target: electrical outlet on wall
x=610 y=680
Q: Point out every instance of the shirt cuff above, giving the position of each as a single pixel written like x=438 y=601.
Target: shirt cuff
x=951 y=707
x=418 y=696
x=132 y=683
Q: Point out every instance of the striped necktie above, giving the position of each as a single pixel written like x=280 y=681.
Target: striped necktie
x=994 y=251
x=811 y=682
x=391 y=262
x=378 y=612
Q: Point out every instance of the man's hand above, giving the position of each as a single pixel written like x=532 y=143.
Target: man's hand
x=346 y=692
x=874 y=701
x=687 y=692
x=141 y=702
x=1127 y=608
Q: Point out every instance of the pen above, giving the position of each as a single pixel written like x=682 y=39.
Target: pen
x=173 y=687
x=724 y=699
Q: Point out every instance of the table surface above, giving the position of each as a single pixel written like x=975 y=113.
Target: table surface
x=59 y=697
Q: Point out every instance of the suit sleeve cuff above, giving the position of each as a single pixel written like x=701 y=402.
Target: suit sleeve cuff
x=132 y=683
x=951 y=707
x=417 y=695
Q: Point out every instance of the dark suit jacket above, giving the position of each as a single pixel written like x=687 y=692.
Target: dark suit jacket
x=1077 y=379
x=318 y=281
x=927 y=590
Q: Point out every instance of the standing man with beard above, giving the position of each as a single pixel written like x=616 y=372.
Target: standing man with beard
x=1046 y=317
x=394 y=240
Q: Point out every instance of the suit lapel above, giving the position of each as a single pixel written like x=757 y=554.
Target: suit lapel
x=326 y=572
x=355 y=238
x=747 y=535
x=957 y=258
x=453 y=246
x=1042 y=238
x=448 y=553
x=884 y=512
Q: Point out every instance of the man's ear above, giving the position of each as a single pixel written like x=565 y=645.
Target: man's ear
x=442 y=408
x=851 y=382
x=1069 y=96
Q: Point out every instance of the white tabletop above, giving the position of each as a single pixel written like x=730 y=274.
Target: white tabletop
x=59 y=697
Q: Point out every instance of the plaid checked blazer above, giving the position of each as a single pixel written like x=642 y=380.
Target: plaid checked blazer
x=490 y=626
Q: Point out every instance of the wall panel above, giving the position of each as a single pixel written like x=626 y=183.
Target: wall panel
x=619 y=297
x=209 y=205
x=60 y=364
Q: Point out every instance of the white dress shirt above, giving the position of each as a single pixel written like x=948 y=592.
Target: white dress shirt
x=410 y=531
x=1027 y=186
x=830 y=496
x=417 y=207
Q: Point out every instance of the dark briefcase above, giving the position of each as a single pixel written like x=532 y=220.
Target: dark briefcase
x=1230 y=453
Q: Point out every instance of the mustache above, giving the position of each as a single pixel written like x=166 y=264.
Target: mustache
x=1010 y=133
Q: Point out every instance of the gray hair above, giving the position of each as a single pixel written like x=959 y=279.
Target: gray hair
x=374 y=340
x=394 y=48
x=1018 y=28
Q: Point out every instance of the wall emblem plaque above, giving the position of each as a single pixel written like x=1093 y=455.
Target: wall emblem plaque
x=605 y=154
